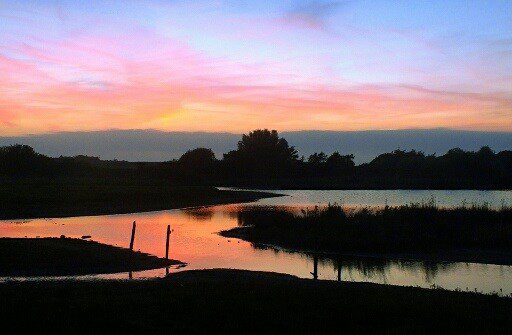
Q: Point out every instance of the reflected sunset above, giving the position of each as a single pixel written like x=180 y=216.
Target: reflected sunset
x=195 y=240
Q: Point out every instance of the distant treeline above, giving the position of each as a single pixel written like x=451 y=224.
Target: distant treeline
x=265 y=160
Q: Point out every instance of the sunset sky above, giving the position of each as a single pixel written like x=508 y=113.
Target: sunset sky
x=240 y=65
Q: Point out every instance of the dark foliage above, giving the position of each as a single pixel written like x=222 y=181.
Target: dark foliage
x=455 y=169
x=408 y=228
x=261 y=155
x=196 y=166
x=263 y=159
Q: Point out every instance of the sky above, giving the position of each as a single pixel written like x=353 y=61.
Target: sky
x=240 y=65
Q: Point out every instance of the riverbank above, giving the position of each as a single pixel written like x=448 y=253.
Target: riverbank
x=232 y=300
x=29 y=257
x=25 y=199
x=409 y=232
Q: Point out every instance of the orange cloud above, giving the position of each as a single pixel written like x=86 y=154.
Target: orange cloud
x=143 y=80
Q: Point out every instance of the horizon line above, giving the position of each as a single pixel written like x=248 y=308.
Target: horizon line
x=154 y=130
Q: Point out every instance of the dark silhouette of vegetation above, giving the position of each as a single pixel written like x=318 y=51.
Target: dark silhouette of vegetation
x=257 y=163
x=482 y=169
x=196 y=166
x=32 y=184
x=475 y=233
x=323 y=165
x=264 y=160
x=230 y=301
x=261 y=156
x=66 y=256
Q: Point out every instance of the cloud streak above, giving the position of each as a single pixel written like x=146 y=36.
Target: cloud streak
x=140 y=77
x=313 y=14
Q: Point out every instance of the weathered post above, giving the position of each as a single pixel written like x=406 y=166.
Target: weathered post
x=339 y=270
x=315 y=267
x=167 y=241
x=133 y=236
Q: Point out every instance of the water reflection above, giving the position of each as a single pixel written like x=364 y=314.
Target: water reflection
x=199 y=213
x=194 y=240
x=485 y=278
x=372 y=268
x=354 y=198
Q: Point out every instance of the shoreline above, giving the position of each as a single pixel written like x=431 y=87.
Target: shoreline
x=213 y=198
x=286 y=187
x=62 y=257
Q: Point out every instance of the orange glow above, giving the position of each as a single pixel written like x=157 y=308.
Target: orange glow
x=88 y=84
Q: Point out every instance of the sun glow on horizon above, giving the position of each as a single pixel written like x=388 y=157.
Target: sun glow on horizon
x=224 y=66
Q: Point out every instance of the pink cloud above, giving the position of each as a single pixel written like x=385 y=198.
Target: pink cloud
x=143 y=80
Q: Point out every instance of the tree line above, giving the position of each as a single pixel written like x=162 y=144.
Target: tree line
x=264 y=159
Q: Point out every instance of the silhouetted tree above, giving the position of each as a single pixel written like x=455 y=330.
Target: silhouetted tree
x=197 y=158
x=19 y=160
x=261 y=153
x=337 y=163
x=197 y=165
x=317 y=159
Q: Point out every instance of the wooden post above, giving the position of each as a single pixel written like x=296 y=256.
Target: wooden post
x=167 y=241
x=315 y=267
x=339 y=270
x=133 y=236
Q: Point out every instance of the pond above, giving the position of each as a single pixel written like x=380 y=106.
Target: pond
x=194 y=240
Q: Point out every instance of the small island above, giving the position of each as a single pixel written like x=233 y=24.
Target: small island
x=411 y=232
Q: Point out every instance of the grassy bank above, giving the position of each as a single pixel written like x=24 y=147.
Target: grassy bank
x=479 y=234
x=30 y=198
x=66 y=256
x=230 y=300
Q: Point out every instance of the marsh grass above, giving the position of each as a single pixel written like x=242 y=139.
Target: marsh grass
x=413 y=227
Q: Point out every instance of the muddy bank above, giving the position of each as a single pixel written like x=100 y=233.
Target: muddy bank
x=65 y=256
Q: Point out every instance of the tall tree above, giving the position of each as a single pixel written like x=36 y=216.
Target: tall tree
x=262 y=153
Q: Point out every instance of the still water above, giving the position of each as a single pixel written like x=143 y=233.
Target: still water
x=194 y=240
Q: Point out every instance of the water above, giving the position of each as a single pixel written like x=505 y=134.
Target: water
x=358 y=198
x=194 y=240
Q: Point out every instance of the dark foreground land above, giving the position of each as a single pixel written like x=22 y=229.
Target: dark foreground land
x=33 y=198
x=66 y=256
x=413 y=232
x=230 y=300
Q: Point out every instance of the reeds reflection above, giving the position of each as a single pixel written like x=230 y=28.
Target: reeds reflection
x=199 y=213
x=372 y=268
